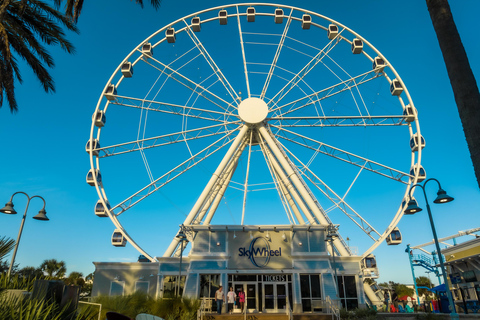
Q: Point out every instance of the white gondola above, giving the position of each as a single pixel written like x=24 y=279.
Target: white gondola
x=196 y=24
x=396 y=87
x=92 y=176
x=222 y=16
x=100 y=209
x=110 y=92
x=127 y=69
x=357 y=46
x=118 y=240
x=142 y=258
x=278 y=15
x=378 y=65
x=306 y=21
x=99 y=118
x=422 y=175
x=251 y=14
x=332 y=31
x=170 y=34
x=369 y=262
x=414 y=145
x=94 y=145
x=395 y=237
x=147 y=50
x=409 y=113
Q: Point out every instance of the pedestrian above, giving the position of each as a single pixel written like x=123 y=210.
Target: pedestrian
x=241 y=299
x=219 y=298
x=385 y=298
x=395 y=300
x=231 y=297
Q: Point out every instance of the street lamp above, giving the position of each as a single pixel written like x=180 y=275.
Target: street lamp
x=181 y=237
x=412 y=208
x=332 y=233
x=8 y=209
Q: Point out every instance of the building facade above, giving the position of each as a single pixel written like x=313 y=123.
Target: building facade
x=278 y=267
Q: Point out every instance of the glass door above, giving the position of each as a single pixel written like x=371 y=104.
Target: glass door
x=275 y=297
x=251 y=297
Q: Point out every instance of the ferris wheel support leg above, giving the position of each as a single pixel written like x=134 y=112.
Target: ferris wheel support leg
x=299 y=185
x=201 y=200
x=221 y=184
x=289 y=190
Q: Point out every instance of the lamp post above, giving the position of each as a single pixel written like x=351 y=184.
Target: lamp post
x=331 y=234
x=181 y=237
x=8 y=209
x=412 y=208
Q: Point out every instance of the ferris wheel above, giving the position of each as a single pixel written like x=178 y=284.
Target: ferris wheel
x=254 y=114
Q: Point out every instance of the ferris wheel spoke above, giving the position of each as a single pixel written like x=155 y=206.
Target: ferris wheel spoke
x=342 y=155
x=345 y=121
x=323 y=94
x=277 y=54
x=218 y=72
x=167 y=139
x=305 y=70
x=172 y=174
x=170 y=108
x=193 y=86
x=338 y=202
x=247 y=82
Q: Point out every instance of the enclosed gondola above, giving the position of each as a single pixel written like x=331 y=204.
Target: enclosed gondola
x=222 y=16
x=414 y=143
x=92 y=145
x=99 y=118
x=110 y=92
x=92 y=175
x=147 y=50
x=306 y=21
x=127 y=69
x=378 y=65
x=332 y=31
x=422 y=175
x=251 y=14
x=170 y=35
x=409 y=113
x=196 y=24
x=357 y=46
x=369 y=262
x=118 y=240
x=278 y=16
x=100 y=210
x=395 y=237
x=396 y=87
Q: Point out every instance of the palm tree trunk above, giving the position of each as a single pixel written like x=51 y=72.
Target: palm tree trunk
x=462 y=80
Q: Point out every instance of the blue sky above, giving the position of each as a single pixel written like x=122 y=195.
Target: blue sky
x=45 y=140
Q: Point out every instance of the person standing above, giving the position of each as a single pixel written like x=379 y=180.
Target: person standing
x=231 y=297
x=241 y=299
x=385 y=298
x=395 y=300
x=219 y=298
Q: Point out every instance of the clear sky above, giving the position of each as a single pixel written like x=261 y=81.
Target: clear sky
x=44 y=142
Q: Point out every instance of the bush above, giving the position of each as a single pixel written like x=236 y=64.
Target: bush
x=368 y=314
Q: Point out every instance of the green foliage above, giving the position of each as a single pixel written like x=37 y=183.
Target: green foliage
x=12 y=307
x=16 y=282
x=364 y=313
x=423 y=281
x=132 y=305
x=53 y=268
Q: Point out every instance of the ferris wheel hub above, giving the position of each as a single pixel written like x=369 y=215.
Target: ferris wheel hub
x=253 y=110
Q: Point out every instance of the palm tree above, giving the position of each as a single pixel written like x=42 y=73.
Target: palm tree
x=75 y=278
x=53 y=268
x=462 y=80
x=74 y=7
x=25 y=26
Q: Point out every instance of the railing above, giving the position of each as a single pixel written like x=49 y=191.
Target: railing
x=95 y=304
x=332 y=308
x=289 y=310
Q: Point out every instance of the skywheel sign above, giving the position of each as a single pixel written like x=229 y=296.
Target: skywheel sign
x=259 y=252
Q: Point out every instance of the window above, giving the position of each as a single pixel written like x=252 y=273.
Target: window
x=209 y=284
x=142 y=286
x=347 y=289
x=170 y=286
x=311 y=292
x=116 y=288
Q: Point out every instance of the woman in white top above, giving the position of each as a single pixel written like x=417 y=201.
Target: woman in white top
x=231 y=296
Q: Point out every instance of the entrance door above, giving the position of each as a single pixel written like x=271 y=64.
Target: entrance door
x=275 y=297
x=250 y=289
